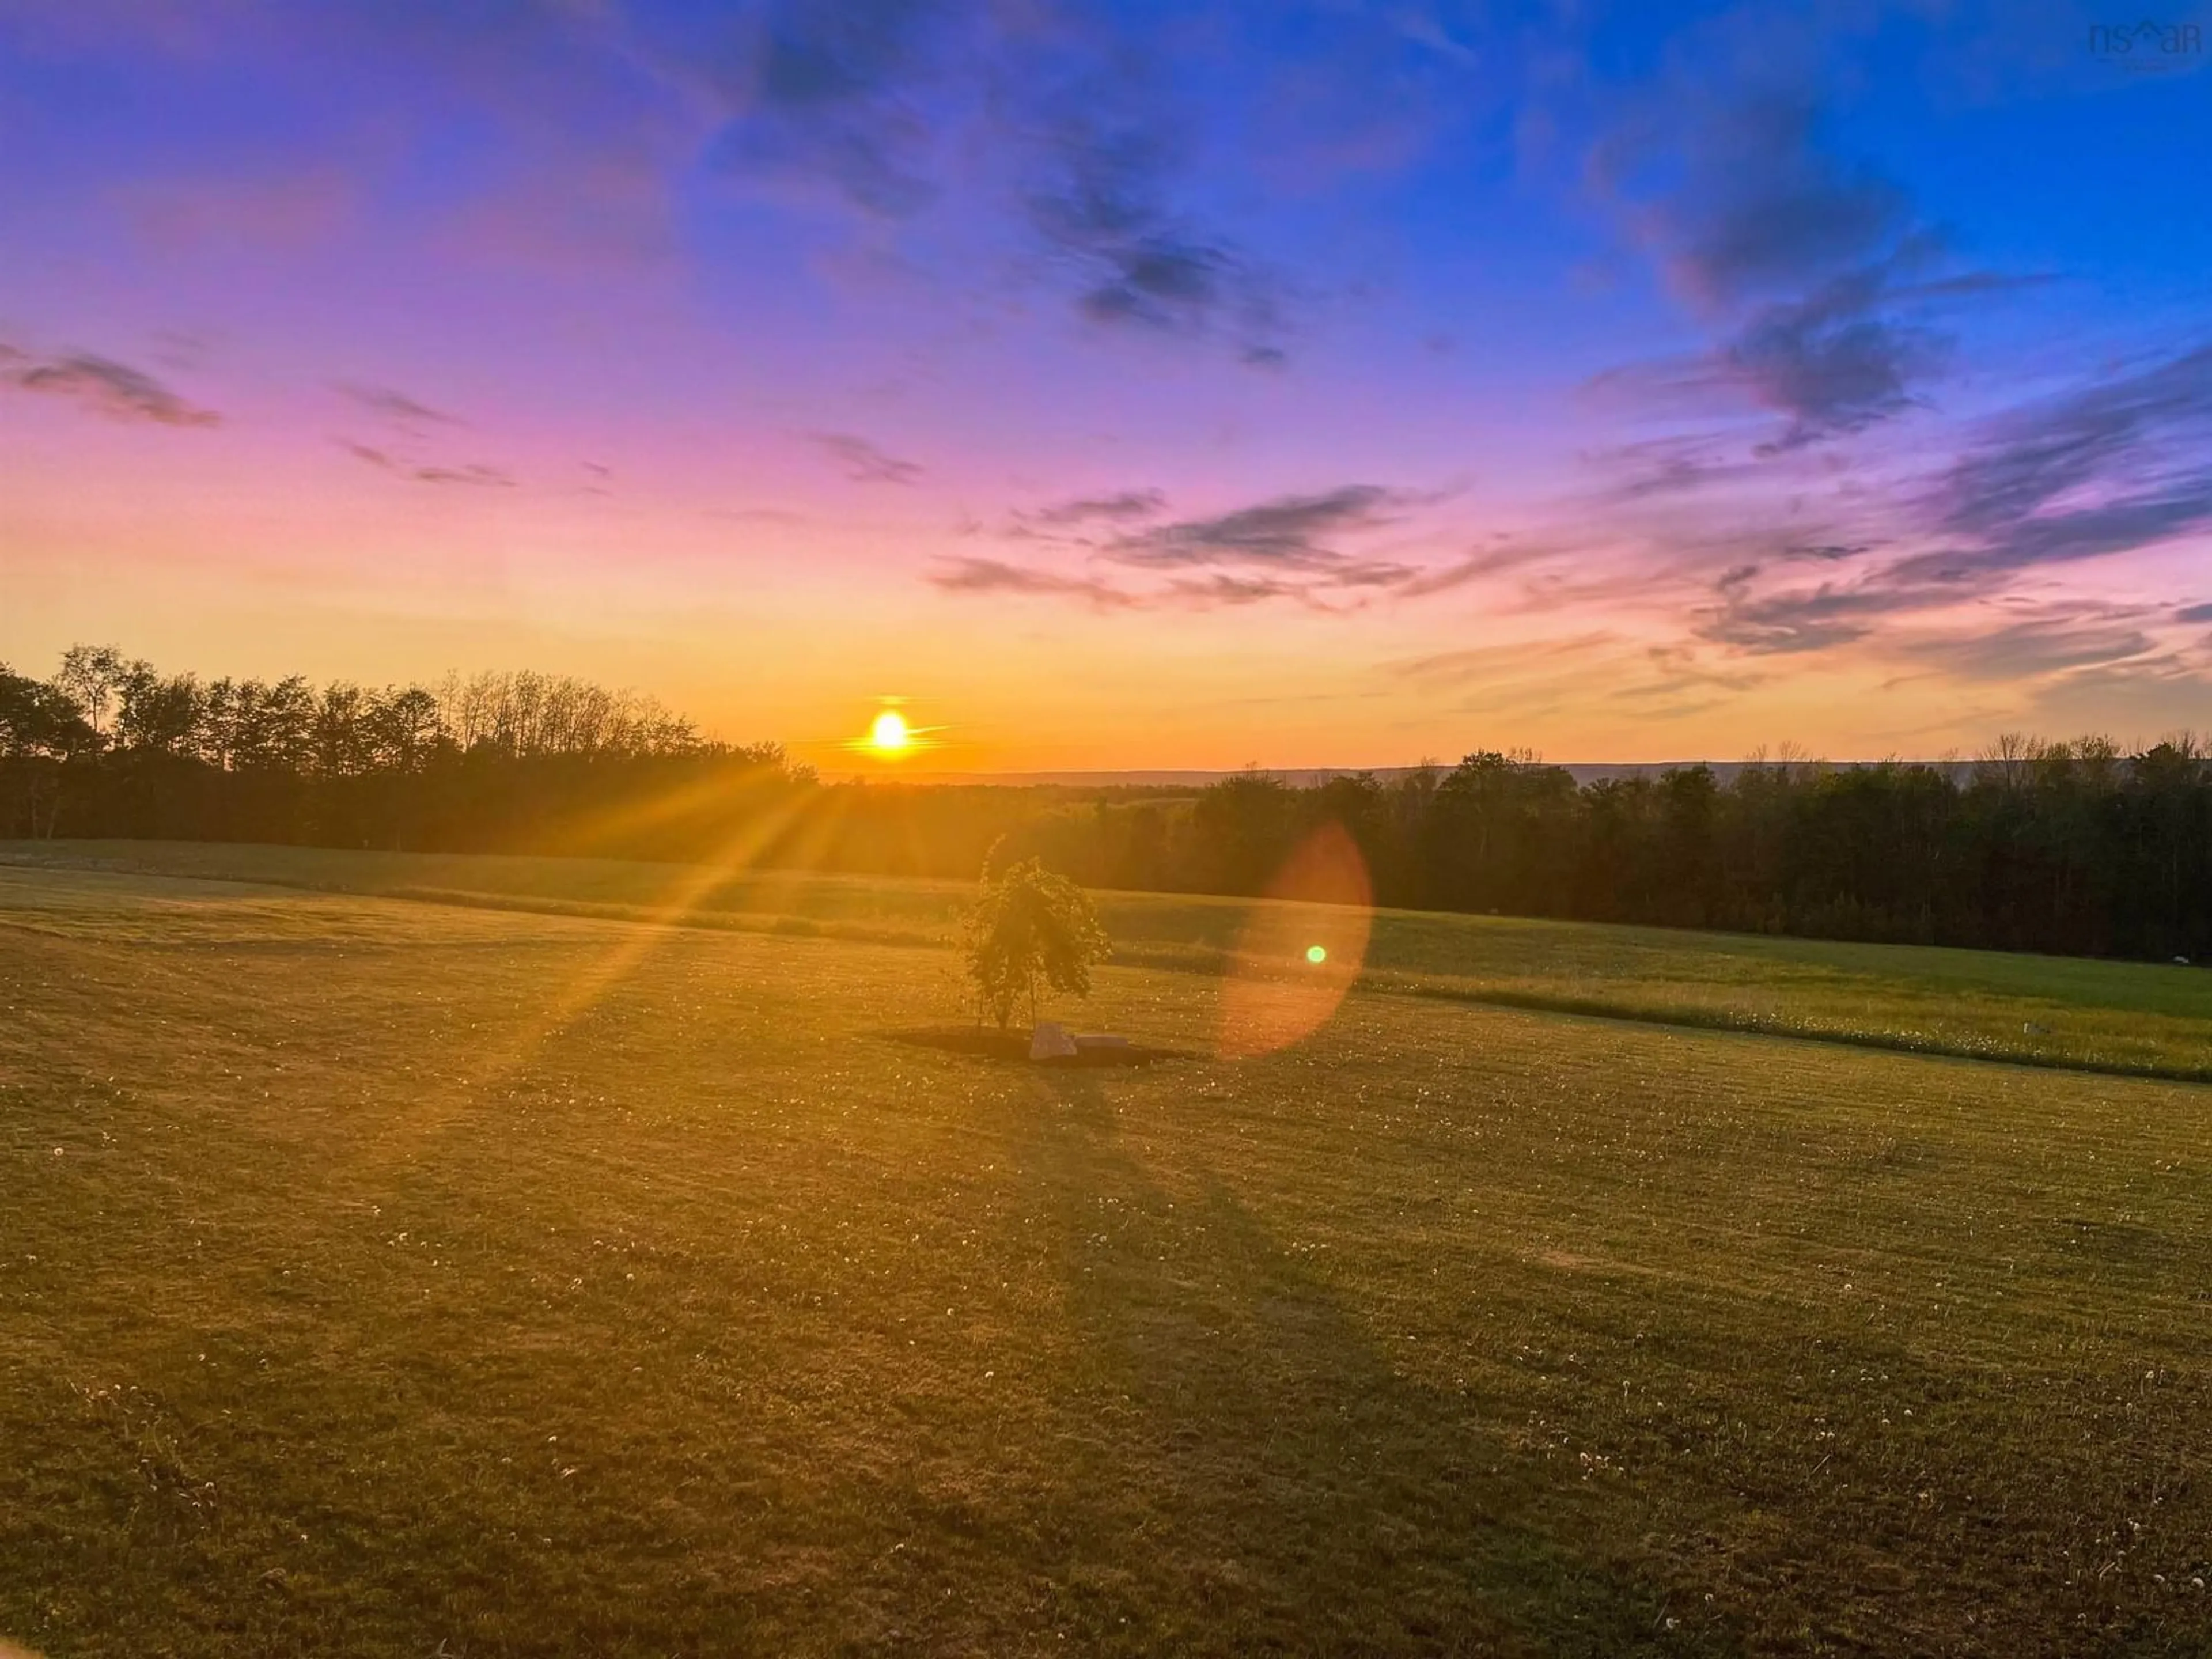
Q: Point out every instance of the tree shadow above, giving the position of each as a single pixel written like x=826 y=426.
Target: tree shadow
x=982 y=1043
x=1316 y=1498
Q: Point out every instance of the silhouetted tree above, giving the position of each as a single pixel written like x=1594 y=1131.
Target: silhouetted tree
x=42 y=732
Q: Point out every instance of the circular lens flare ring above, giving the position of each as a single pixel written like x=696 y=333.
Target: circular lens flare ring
x=1300 y=949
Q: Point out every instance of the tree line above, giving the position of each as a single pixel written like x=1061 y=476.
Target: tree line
x=2067 y=848
x=110 y=747
x=2078 y=846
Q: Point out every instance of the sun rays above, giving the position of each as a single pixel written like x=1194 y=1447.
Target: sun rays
x=776 y=838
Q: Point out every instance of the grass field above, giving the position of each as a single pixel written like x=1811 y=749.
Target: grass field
x=387 y=1277
x=2142 y=1018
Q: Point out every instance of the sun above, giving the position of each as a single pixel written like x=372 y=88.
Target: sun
x=890 y=734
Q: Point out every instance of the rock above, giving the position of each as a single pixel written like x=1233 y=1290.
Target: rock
x=1051 y=1042
x=1088 y=1040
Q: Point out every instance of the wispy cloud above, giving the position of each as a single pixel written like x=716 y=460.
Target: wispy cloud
x=1821 y=277
x=473 y=475
x=1486 y=662
x=1651 y=469
x=1735 y=534
x=833 y=92
x=1220 y=587
x=1678 y=668
x=1506 y=555
x=1120 y=507
x=1792 y=620
x=863 y=462
x=987 y=576
x=1290 y=532
x=1306 y=549
x=2121 y=463
x=1205 y=591
x=1524 y=678
x=2033 y=649
x=394 y=405
x=892 y=104
x=1760 y=208
x=103 y=386
x=1100 y=202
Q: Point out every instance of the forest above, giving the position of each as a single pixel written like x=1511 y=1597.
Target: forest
x=2076 y=847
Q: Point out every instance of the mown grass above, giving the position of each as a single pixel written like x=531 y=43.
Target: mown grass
x=390 y=1278
x=2150 y=1019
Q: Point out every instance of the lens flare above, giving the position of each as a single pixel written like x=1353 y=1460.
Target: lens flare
x=1300 y=948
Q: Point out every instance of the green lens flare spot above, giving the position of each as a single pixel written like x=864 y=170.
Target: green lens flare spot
x=1316 y=955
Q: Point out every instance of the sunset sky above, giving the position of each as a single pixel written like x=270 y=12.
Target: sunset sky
x=1127 y=387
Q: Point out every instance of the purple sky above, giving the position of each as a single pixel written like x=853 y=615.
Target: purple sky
x=1128 y=385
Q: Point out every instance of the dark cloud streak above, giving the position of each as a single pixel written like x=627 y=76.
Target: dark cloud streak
x=833 y=91
x=1100 y=200
x=990 y=576
x=1288 y=532
x=2033 y=649
x=1285 y=548
x=396 y=406
x=1800 y=621
x=474 y=475
x=104 y=386
x=1762 y=210
x=1819 y=274
x=1120 y=507
x=2140 y=445
x=863 y=462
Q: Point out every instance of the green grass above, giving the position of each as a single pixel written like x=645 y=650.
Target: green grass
x=2144 y=1018
x=389 y=1278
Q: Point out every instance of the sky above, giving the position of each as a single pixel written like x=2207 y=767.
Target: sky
x=1301 y=382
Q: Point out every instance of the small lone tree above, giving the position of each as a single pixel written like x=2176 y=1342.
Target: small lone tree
x=1029 y=933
